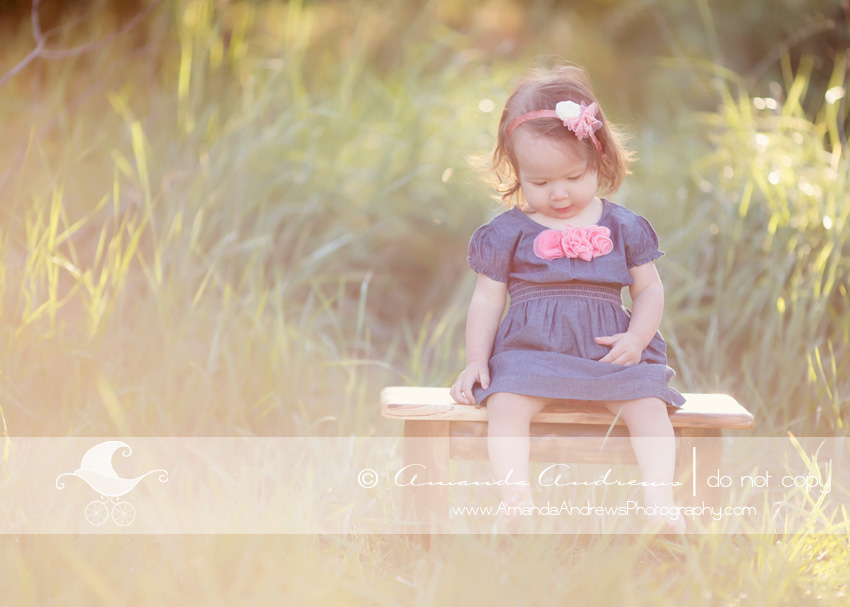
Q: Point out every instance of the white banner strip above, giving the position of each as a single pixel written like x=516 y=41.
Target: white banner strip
x=318 y=485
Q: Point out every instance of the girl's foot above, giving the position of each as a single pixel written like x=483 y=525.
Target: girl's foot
x=669 y=525
x=508 y=523
x=663 y=514
x=512 y=520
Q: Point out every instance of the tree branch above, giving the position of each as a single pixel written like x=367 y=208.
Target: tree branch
x=93 y=46
x=52 y=54
x=776 y=53
x=24 y=62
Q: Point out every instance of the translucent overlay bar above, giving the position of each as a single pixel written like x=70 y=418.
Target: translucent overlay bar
x=318 y=485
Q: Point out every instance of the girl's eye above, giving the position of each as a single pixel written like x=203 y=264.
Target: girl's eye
x=538 y=182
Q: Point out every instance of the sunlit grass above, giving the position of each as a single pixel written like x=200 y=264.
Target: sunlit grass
x=385 y=570
x=256 y=220
x=244 y=173
x=243 y=222
x=769 y=272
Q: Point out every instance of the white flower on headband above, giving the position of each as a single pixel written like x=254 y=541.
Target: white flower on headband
x=580 y=119
x=565 y=110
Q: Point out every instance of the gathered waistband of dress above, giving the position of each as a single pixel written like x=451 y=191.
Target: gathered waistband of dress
x=526 y=291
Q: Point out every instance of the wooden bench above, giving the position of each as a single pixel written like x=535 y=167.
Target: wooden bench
x=446 y=430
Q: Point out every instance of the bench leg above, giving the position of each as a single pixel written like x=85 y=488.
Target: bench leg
x=426 y=455
x=695 y=490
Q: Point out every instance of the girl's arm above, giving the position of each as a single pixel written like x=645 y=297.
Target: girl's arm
x=482 y=322
x=647 y=295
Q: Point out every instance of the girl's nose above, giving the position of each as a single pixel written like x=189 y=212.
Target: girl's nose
x=559 y=194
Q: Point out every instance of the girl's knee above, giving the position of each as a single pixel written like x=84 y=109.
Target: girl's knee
x=504 y=405
x=640 y=408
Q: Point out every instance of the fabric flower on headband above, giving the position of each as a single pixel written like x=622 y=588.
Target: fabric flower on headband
x=580 y=119
x=582 y=243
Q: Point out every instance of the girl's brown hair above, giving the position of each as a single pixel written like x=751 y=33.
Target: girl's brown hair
x=542 y=90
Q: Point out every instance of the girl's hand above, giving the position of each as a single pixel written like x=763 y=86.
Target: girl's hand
x=461 y=391
x=626 y=348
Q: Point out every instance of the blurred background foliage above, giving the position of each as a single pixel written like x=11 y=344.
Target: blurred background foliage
x=248 y=217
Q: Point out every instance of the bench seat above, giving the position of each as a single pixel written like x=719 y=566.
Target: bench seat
x=568 y=431
x=421 y=403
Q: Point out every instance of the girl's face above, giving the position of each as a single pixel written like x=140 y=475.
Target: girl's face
x=555 y=180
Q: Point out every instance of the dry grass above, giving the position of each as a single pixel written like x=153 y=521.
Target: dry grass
x=248 y=218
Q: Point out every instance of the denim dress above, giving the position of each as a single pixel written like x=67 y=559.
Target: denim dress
x=545 y=343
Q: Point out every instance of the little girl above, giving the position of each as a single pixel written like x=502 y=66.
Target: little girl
x=564 y=254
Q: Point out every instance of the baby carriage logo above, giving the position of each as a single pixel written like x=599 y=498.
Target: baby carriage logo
x=96 y=469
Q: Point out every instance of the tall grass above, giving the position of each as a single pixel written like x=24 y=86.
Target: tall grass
x=768 y=290
x=240 y=171
x=260 y=230
x=250 y=217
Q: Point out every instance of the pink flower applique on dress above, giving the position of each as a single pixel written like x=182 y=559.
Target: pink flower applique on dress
x=582 y=243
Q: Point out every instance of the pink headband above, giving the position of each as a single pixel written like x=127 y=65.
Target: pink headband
x=580 y=119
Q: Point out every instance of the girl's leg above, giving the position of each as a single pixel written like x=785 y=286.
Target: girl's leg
x=654 y=445
x=508 y=443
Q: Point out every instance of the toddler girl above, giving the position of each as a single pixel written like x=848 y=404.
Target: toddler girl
x=564 y=254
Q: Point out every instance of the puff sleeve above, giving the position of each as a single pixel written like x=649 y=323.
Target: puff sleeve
x=641 y=243
x=490 y=253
